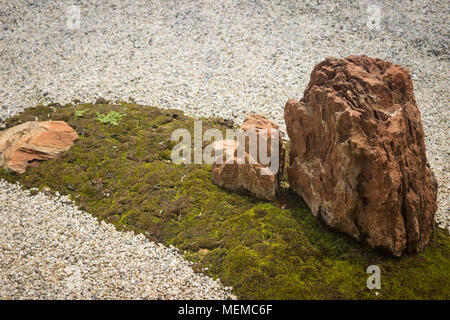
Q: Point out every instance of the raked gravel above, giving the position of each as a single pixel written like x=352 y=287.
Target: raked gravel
x=221 y=58
x=51 y=250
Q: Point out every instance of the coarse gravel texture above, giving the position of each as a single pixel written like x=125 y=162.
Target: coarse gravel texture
x=51 y=250
x=221 y=58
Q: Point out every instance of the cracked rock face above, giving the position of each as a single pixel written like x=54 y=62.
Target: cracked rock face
x=358 y=154
x=26 y=144
x=246 y=177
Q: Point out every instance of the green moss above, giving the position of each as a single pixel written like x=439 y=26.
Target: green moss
x=123 y=174
x=80 y=113
x=112 y=117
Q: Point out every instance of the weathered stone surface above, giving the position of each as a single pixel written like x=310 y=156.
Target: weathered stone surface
x=27 y=143
x=358 y=154
x=247 y=177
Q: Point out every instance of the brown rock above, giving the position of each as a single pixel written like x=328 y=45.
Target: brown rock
x=358 y=154
x=23 y=145
x=247 y=177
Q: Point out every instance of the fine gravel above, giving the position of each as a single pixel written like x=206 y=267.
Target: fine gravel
x=51 y=250
x=221 y=58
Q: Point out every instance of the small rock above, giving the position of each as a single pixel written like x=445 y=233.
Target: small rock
x=247 y=177
x=26 y=144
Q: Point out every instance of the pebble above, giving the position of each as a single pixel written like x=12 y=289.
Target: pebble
x=51 y=249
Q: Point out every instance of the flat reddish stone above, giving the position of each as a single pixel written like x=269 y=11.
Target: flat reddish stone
x=22 y=145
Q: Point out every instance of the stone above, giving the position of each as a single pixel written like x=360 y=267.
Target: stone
x=30 y=142
x=246 y=177
x=358 y=154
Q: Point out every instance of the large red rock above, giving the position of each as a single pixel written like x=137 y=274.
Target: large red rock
x=29 y=142
x=358 y=154
x=247 y=177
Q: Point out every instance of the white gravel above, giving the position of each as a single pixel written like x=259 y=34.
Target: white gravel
x=221 y=58
x=51 y=250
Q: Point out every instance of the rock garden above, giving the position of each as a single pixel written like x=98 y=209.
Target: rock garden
x=118 y=179
x=357 y=189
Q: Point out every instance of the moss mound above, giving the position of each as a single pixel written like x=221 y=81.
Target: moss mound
x=120 y=171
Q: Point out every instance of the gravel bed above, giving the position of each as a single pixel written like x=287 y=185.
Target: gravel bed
x=221 y=58
x=51 y=250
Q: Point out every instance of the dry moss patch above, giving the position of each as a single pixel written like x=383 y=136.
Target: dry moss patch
x=120 y=171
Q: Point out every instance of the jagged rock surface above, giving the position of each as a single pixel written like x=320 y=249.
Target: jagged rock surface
x=247 y=177
x=358 y=154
